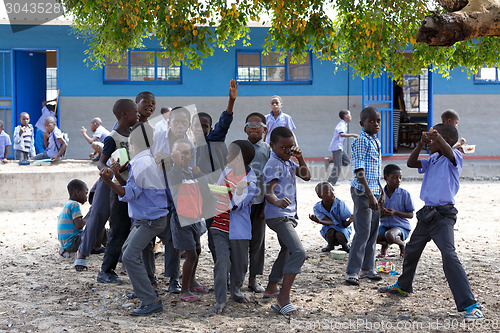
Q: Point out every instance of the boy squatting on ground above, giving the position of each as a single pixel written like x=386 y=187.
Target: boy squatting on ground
x=367 y=195
x=398 y=208
x=97 y=139
x=55 y=146
x=437 y=218
x=4 y=143
x=106 y=204
x=24 y=138
x=255 y=126
x=147 y=206
x=281 y=215
x=232 y=227
x=335 y=217
x=188 y=186
x=71 y=221
x=340 y=158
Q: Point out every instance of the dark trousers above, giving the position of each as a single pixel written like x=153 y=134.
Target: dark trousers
x=437 y=224
x=119 y=228
x=97 y=217
x=257 y=244
x=211 y=244
x=172 y=255
x=340 y=158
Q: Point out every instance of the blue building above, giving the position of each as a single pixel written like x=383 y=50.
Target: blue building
x=35 y=63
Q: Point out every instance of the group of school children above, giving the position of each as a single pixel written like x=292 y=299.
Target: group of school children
x=178 y=186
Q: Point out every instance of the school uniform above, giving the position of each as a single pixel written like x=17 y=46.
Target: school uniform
x=283 y=120
x=338 y=212
x=257 y=243
x=4 y=142
x=436 y=221
x=365 y=155
x=232 y=231
x=284 y=220
x=401 y=201
x=147 y=206
x=340 y=158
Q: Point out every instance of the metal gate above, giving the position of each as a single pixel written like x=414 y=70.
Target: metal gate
x=377 y=92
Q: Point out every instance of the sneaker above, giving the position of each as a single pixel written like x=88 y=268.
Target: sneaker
x=328 y=248
x=146 y=310
x=110 y=277
x=174 y=287
x=393 y=289
x=327 y=163
x=473 y=313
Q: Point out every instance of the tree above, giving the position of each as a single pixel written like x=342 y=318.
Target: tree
x=367 y=35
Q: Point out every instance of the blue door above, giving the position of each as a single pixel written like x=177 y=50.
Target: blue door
x=30 y=68
x=6 y=113
x=377 y=92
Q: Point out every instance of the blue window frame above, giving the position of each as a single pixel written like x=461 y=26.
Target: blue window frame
x=487 y=75
x=142 y=67
x=256 y=67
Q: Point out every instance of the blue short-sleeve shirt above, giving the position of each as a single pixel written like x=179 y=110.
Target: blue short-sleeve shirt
x=284 y=172
x=440 y=184
x=338 y=213
x=401 y=201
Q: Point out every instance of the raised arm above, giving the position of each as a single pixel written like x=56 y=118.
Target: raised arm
x=233 y=93
x=302 y=171
x=445 y=148
x=413 y=161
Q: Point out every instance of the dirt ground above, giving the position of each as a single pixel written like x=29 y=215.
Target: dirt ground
x=41 y=292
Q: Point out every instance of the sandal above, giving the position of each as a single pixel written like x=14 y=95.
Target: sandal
x=190 y=298
x=351 y=279
x=372 y=276
x=286 y=310
x=81 y=265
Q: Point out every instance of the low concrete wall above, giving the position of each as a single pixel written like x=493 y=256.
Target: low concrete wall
x=41 y=186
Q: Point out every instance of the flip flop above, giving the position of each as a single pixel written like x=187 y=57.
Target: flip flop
x=285 y=310
x=270 y=296
x=190 y=298
x=199 y=289
x=81 y=263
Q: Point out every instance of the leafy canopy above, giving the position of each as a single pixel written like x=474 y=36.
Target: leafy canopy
x=367 y=35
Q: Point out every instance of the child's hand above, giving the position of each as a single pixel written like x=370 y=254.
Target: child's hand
x=233 y=89
x=21 y=131
x=83 y=130
x=296 y=151
x=314 y=218
x=432 y=135
x=196 y=170
x=106 y=174
x=241 y=186
x=115 y=166
x=46 y=135
x=372 y=202
x=424 y=139
x=389 y=211
x=176 y=157
x=283 y=203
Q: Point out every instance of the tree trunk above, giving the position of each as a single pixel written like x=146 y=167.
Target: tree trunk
x=479 y=18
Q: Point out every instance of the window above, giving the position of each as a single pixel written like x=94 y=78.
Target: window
x=142 y=66
x=257 y=67
x=51 y=83
x=487 y=75
x=416 y=92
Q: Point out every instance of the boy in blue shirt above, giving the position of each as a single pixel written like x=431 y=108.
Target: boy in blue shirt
x=398 y=208
x=335 y=217
x=147 y=206
x=281 y=215
x=367 y=195
x=255 y=127
x=4 y=143
x=53 y=140
x=437 y=218
x=232 y=227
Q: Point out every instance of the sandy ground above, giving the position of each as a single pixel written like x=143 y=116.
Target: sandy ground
x=41 y=292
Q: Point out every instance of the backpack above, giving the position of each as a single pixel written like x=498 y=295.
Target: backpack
x=65 y=137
